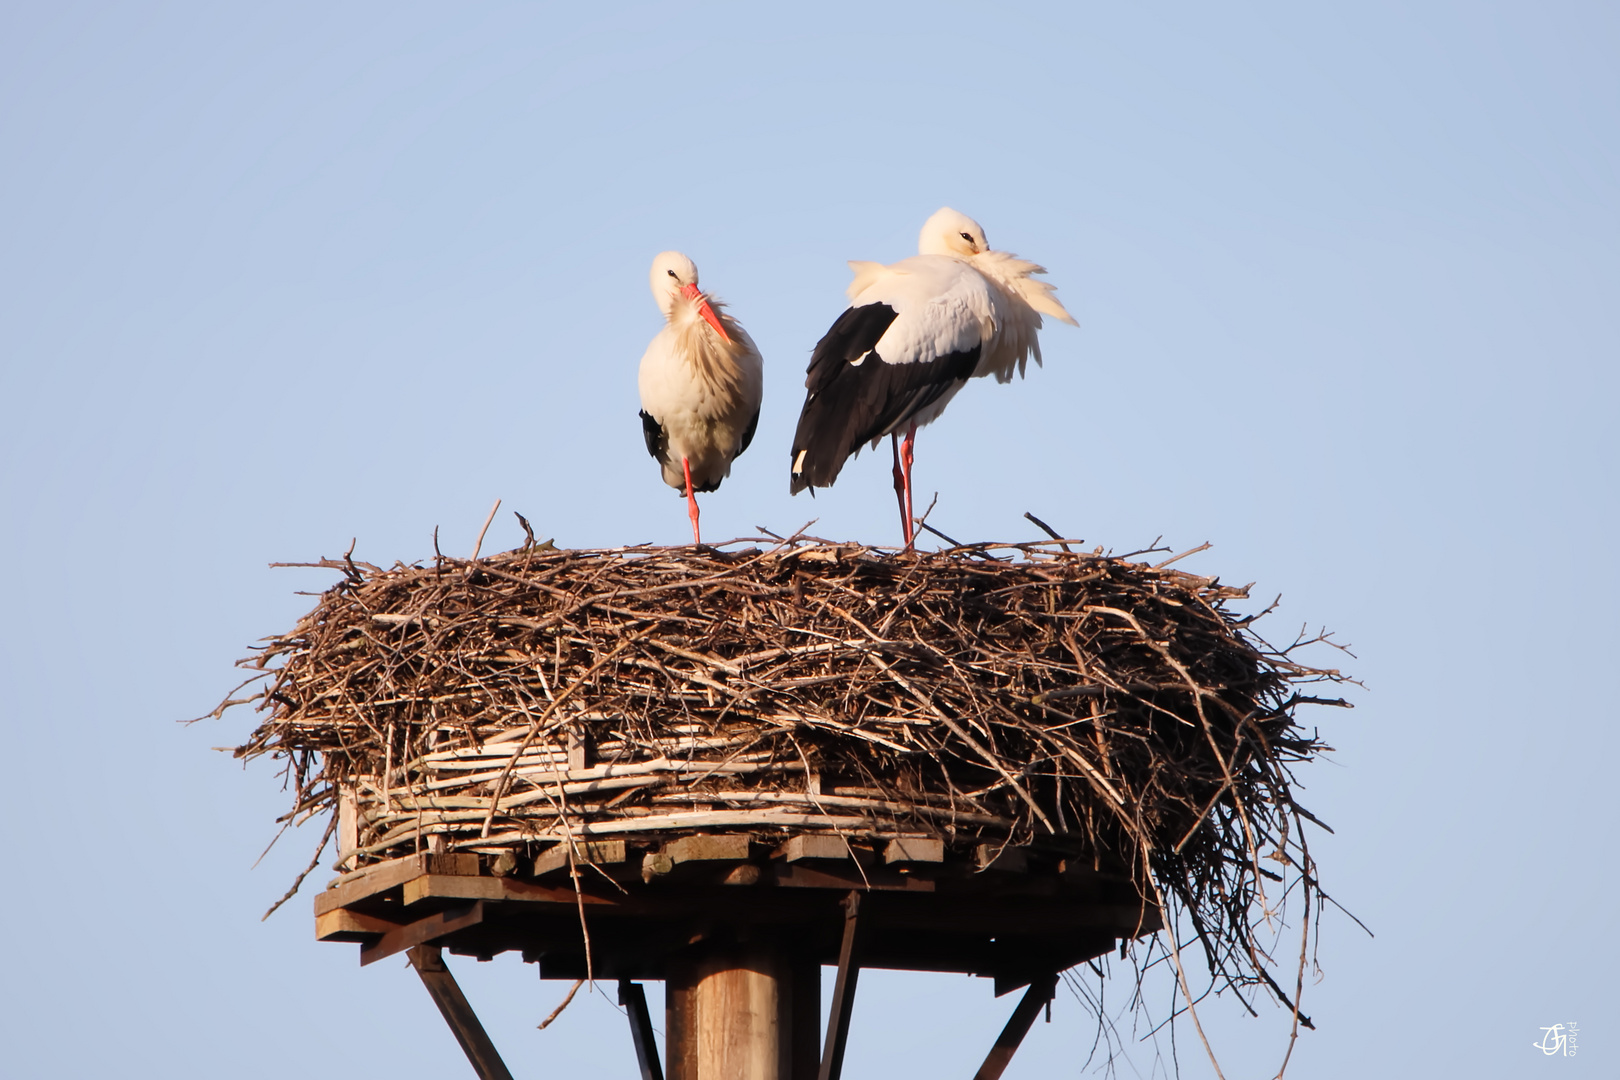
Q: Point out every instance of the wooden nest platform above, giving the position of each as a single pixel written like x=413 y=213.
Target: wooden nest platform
x=1012 y=755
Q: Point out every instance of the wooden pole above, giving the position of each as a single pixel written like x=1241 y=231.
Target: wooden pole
x=486 y=1061
x=806 y=1008
x=734 y=1010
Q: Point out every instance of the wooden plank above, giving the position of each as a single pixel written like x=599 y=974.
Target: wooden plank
x=448 y=887
x=914 y=849
x=1039 y=993
x=581 y=749
x=997 y=857
x=847 y=876
x=384 y=877
x=348 y=815
x=349 y=877
x=430 y=886
x=422 y=932
x=530 y=892
x=392 y=874
x=816 y=846
x=345 y=925
x=453 y=1006
x=955 y=911
x=634 y=1000
x=730 y=846
x=843 y=997
x=555 y=858
x=462 y=863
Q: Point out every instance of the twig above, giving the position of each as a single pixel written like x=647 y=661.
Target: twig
x=572 y=990
x=528 y=532
x=1048 y=530
x=331 y=828
x=942 y=536
x=1205 y=546
x=536 y=726
x=480 y=544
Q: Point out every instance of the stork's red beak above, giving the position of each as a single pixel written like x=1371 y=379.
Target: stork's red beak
x=691 y=292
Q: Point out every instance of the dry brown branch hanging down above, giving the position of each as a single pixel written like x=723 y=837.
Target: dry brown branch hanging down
x=1077 y=705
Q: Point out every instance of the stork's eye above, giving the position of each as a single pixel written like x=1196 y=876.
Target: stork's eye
x=966 y=236
x=672 y=274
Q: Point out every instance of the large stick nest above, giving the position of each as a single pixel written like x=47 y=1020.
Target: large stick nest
x=1015 y=694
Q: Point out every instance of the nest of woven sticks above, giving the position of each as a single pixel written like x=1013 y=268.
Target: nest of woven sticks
x=1019 y=694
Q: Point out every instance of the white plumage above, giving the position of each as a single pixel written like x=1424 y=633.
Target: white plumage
x=915 y=332
x=701 y=380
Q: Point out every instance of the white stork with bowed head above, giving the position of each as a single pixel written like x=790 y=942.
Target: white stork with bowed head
x=701 y=381
x=914 y=334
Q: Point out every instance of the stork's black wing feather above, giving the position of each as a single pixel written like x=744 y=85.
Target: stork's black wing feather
x=748 y=434
x=854 y=395
x=856 y=333
x=652 y=431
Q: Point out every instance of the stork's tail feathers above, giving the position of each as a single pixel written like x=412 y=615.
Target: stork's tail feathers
x=816 y=465
x=825 y=438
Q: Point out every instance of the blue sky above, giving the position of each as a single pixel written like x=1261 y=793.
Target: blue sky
x=274 y=278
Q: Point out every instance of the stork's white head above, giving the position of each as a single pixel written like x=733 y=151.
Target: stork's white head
x=671 y=274
x=949 y=232
x=675 y=276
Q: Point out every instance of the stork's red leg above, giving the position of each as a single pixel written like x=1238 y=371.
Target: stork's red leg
x=906 y=458
x=900 y=488
x=691 y=501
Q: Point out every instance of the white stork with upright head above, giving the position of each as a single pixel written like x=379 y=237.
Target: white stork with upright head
x=701 y=381
x=914 y=334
